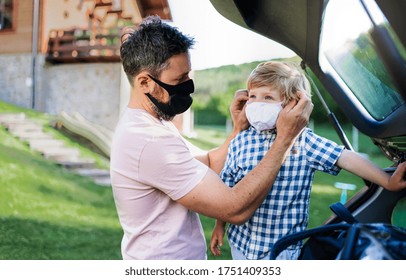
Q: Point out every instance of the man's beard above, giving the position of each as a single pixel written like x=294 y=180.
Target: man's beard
x=156 y=110
x=160 y=114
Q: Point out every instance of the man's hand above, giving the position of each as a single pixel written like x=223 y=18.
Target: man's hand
x=216 y=158
x=237 y=110
x=397 y=181
x=294 y=117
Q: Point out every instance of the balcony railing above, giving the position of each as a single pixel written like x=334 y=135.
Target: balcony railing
x=77 y=45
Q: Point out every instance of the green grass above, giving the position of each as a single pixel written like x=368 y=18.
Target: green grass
x=49 y=213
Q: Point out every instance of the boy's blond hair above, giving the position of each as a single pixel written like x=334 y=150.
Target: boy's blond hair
x=285 y=77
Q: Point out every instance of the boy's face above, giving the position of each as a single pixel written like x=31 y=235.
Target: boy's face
x=265 y=94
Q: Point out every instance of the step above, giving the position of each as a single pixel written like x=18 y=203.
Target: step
x=60 y=151
x=29 y=135
x=75 y=164
x=103 y=181
x=94 y=172
x=11 y=117
x=63 y=157
x=53 y=150
x=61 y=154
x=99 y=176
x=15 y=128
x=11 y=123
x=40 y=144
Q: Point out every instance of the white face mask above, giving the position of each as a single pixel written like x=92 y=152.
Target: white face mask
x=262 y=115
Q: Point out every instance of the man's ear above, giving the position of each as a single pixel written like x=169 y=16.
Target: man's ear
x=143 y=82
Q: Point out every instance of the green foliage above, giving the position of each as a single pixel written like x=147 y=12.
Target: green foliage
x=209 y=117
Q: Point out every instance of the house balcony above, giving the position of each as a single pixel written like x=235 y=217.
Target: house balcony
x=77 y=45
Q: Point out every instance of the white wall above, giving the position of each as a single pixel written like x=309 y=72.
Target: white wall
x=15 y=78
x=125 y=89
x=92 y=89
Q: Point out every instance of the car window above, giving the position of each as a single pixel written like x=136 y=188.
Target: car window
x=347 y=52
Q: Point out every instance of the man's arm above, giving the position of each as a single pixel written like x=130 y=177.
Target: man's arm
x=213 y=198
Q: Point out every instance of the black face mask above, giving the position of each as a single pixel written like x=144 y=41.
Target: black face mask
x=179 y=97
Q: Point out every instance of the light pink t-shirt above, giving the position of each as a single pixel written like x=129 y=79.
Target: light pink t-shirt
x=151 y=167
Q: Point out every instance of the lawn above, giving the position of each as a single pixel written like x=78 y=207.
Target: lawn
x=49 y=213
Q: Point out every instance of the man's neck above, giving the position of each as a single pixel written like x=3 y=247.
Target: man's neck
x=141 y=102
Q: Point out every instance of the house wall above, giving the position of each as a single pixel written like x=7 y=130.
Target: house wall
x=15 y=56
x=61 y=14
x=19 y=39
x=92 y=89
x=15 y=79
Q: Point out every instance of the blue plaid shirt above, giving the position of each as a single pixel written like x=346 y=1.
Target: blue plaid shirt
x=285 y=209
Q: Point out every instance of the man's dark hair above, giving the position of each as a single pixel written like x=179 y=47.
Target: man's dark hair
x=150 y=47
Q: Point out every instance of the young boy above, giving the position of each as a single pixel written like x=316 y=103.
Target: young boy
x=271 y=85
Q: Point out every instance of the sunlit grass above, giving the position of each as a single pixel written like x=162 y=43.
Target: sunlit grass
x=47 y=212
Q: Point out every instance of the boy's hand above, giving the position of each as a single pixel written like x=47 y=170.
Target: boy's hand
x=217 y=240
x=397 y=181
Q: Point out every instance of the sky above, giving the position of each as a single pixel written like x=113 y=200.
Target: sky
x=218 y=40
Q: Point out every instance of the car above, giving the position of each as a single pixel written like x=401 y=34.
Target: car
x=356 y=49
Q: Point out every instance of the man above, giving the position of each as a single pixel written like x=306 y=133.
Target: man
x=158 y=186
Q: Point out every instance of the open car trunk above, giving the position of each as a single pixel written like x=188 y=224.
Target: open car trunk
x=365 y=75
